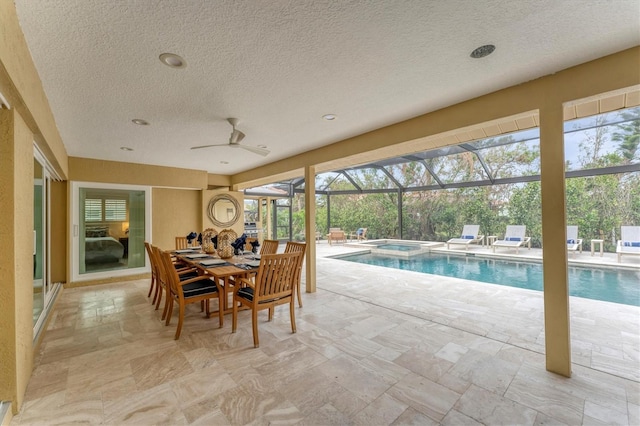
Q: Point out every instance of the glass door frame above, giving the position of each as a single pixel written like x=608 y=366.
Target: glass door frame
x=74 y=231
x=49 y=289
x=277 y=210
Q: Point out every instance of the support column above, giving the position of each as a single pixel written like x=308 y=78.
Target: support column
x=554 y=233
x=310 y=226
x=400 y=223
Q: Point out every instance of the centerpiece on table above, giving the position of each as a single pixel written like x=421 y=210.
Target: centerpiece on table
x=208 y=243
x=225 y=238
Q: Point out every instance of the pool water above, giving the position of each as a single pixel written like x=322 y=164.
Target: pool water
x=618 y=286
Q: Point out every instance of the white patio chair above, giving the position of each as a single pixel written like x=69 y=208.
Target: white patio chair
x=514 y=237
x=629 y=242
x=573 y=242
x=469 y=236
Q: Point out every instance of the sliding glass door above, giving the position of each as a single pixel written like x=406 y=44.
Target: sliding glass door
x=43 y=288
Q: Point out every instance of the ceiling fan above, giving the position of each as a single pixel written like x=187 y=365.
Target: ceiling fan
x=234 y=141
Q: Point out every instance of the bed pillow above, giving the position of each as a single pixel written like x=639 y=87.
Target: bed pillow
x=97 y=231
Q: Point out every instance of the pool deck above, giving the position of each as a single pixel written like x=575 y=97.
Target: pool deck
x=605 y=336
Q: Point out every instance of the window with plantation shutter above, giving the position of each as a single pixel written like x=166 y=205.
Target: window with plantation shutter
x=93 y=210
x=115 y=209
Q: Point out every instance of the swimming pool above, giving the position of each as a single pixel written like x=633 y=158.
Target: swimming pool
x=618 y=286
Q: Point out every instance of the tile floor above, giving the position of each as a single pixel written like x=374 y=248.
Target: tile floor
x=374 y=347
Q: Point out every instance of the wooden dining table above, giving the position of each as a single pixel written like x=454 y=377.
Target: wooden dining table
x=235 y=267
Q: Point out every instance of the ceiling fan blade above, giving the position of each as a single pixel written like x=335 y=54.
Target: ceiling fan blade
x=256 y=150
x=209 y=146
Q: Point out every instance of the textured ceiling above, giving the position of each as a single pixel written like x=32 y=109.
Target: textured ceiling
x=279 y=66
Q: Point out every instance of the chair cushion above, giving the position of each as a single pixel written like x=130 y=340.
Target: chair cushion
x=198 y=288
x=571 y=241
x=467 y=237
x=631 y=244
x=513 y=239
x=246 y=293
x=188 y=275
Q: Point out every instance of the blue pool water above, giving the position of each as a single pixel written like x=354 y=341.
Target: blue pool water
x=618 y=286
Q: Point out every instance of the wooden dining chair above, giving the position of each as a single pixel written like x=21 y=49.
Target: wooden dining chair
x=269 y=247
x=181 y=243
x=274 y=285
x=162 y=284
x=293 y=247
x=154 y=273
x=192 y=290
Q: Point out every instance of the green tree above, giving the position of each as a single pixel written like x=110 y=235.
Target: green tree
x=628 y=135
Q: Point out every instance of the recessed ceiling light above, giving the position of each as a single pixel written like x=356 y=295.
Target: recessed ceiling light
x=329 y=117
x=224 y=162
x=172 y=60
x=483 y=51
x=262 y=146
x=140 y=122
x=126 y=148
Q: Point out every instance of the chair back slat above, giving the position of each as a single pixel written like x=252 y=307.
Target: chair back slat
x=473 y=230
x=515 y=231
x=154 y=271
x=293 y=247
x=170 y=273
x=160 y=268
x=181 y=243
x=269 y=247
x=630 y=233
x=275 y=277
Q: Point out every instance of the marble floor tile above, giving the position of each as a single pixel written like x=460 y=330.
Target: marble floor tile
x=53 y=410
x=490 y=408
x=384 y=410
x=424 y=395
x=424 y=364
x=412 y=417
x=456 y=418
x=488 y=372
x=363 y=382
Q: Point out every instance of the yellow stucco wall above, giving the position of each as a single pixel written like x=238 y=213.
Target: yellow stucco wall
x=174 y=213
x=16 y=262
x=90 y=170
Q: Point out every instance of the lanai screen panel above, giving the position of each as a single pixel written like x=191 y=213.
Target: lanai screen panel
x=605 y=140
x=371 y=178
x=511 y=156
x=333 y=181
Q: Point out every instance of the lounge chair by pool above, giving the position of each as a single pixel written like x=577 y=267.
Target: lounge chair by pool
x=629 y=242
x=469 y=236
x=573 y=242
x=514 y=237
